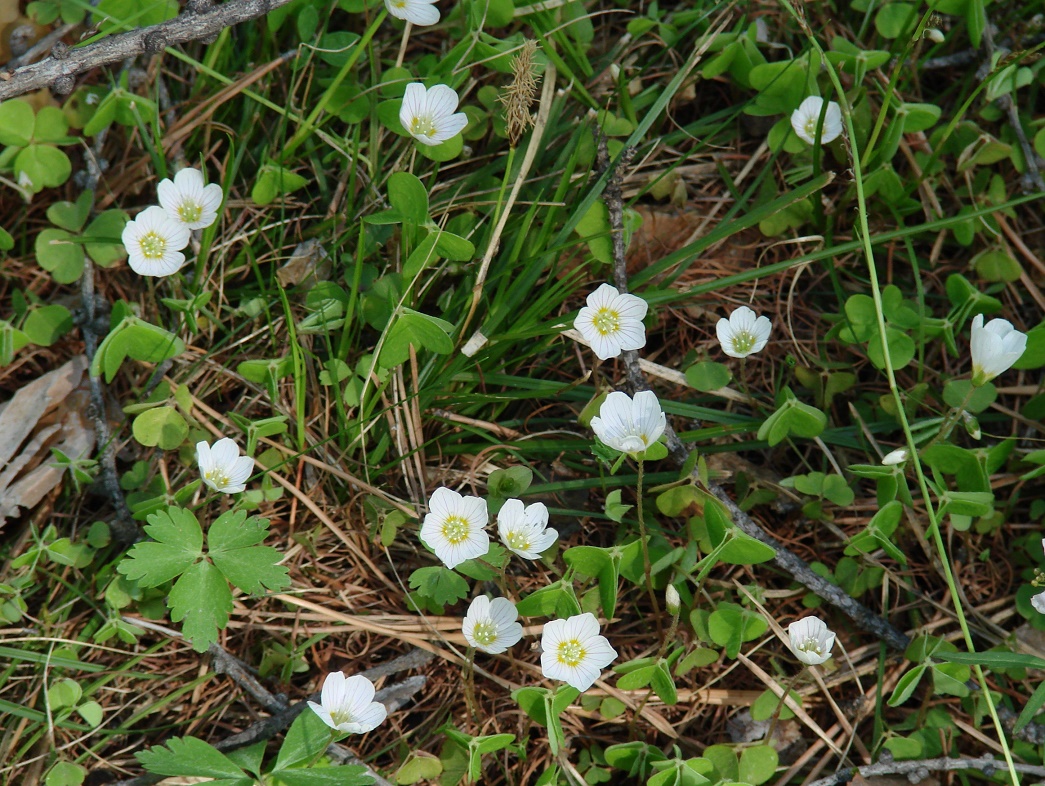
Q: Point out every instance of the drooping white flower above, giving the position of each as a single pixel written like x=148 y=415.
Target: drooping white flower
x=811 y=640
x=743 y=333
x=418 y=12
x=898 y=456
x=430 y=115
x=490 y=625
x=188 y=201
x=154 y=242
x=222 y=467
x=629 y=425
x=524 y=529
x=995 y=347
x=454 y=527
x=612 y=322
x=805 y=119
x=348 y=704
x=573 y=651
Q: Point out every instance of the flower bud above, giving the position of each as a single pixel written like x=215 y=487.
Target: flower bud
x=898 y=456
x=671 y=597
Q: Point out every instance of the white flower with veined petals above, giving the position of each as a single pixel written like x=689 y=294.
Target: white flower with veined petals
x=805 y=119
x=418 y=12
x=490 y=625
x=348 y=704
x=743 y=334
x=524 y=529
x=430 y=115
x=222 y=467
x=154 y=242
x=1038 y=602
x=811 y=640
x=188 y=201
x=573 y=651
x=453 y=528
x=629 y=425
x=994 y=347
x=612 y=322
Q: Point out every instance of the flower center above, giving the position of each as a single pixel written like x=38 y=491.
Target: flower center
x=341 y=716
x=485 y=632
x=743 y=341
x=571 y=653
x=153 y=245
x=811 y=125
x=455 y=530
x=606 y=321
x=518 y=540
x=811 y=645
x=217 y=476
x=189 y=211
x=423 y=124
x=399 y=3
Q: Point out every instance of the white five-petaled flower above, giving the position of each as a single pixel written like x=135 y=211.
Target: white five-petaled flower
x=188 y=201
x=629 y=425
x=490 y=625
x=811 y=640
x=898 y=456
x=1038 y=602
x=430 y=115
x=743 y=334
x=805 y=119
x=995 y=347
x=222 y=467
x=348 y=704
x=524 y=529
x=418 y=12
x=573 y=651
x=154 y=242
x=454 y=527
x=612 y=322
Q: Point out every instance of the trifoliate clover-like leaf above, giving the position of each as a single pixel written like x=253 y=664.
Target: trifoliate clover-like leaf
x=202 y=599
x=178 y=543
x=188 y=756
x=232 y=545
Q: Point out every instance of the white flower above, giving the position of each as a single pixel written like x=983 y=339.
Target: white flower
x=1038 y=602
x=811 y=640
x=222 y=467
x=419 y=12
x=898 y=456
x=994 y=348
x=629 y=425
x=154 y=242
x=743 y=334
x=524 y=529
x=612 y=322
x=430 y=116
x=348 y=704
x=804 y=120
x=573 y=651
x=490 y=625
x=672 y=599
x=188 y=201
x=453 y=528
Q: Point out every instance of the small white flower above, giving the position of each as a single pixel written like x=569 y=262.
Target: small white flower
x=154 y=242
x=418 y=12
x=804 y=120
x=672 y=599
x=222 y=467
x=629 y=425
x=898 y=456
x=811 y=640
x=453 y=528
x=524 y=529
x=743 y=334
x=1038 y=602
x=573 y=651
x=612 y=322
x=188 y=201
x=490 y=625
x=430 y=116
x=348 y=704
x=995 y=347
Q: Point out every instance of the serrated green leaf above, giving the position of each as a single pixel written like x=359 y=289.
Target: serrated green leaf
x=188 y=756
x=178 y=544
x=231 y=542
x=440 y=584
x=202 y=599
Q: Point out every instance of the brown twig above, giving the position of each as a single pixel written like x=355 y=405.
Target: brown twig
x=918 y=770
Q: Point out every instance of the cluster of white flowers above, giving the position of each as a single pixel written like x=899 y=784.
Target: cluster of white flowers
x=155 y=238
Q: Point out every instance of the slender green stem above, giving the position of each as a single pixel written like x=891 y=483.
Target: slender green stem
x=951 y=420
x=876 y=294
x=644 y=539
x=469 y=683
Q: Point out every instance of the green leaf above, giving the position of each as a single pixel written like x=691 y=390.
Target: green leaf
x=407 y=194
x=614 y=508
x=57 y=253
x=306 y=739
x=65 y=773
x=994 y=660
x=91 y=711
x=16 y=123
x=454 y=247
x=105 y=231
x=47 y=324
x=188 y=756
x=419 y=766
x=731 y=625
x=340 y=775
x=162 y=427
x=447 y=151
x=45 y=165
x=893 y=19
x=1034 y=704
x=135 y=338
x=594 y=227
x=664 y=685
x=742 y=549
x=792 y=417
x=63 y=693
x=50 y=125
x=994 y=264
x=202 y=598
x=71 y=215
x=906 y=686
x=960 y=392
x=440 y=584
x=421 y=257
x=708 y=375
x=178 y=543
x=758 y=764
x=413 y=328
x=275 y=181
x=232 y=544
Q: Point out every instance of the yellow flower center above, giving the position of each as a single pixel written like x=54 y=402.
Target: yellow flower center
x=571 y=653
x=189 y=211
x=341 y=716
x=217 y=476
x=606 y=321
x=811 y=645
x=743 y=341
x=811 y=125
x=153 y=245
x=485 y=633
x=455 y=530
x=518 y=540
x=399 y=3
x=423 y=125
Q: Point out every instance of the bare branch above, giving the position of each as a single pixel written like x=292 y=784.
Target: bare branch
x=918 y=770
x=58 y=73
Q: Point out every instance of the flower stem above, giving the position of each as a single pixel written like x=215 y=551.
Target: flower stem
x=469 y=683
x=950 y=421
x=644 y=539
